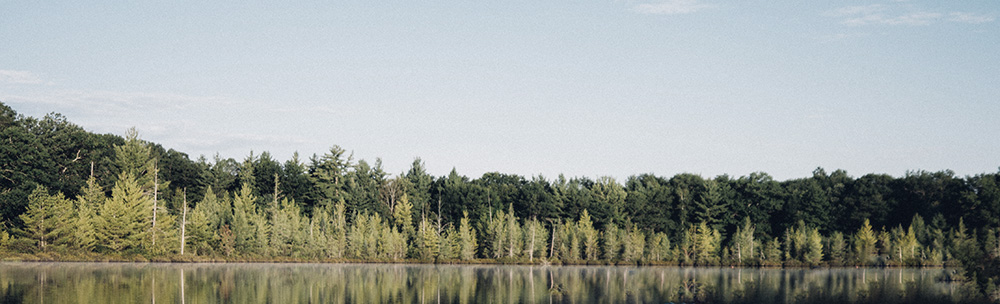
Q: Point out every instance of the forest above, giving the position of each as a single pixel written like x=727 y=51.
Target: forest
x=66 y=193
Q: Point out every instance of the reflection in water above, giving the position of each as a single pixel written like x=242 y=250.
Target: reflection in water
x=398 y=283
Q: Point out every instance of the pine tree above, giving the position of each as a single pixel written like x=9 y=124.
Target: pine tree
x=467 y=239
x=635 y=244
x=244 y=221
x=588 y=236
x=837 y=247
x=337 y=231
x=743 y=241
x=47 y=221
x=707 y=242
x=123 y=221
x=91 y=197
x=512 y=237
x=612 y=241
x=199 y=234
x=864 y=243
x=494 y=232
x=536 y=239
x=660 y=247
x=427 y=241
x=813 y=247
x=403 y=215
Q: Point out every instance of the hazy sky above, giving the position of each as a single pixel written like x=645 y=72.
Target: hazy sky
x=585 y=88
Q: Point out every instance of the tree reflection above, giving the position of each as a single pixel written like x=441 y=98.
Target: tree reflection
x=397 y=283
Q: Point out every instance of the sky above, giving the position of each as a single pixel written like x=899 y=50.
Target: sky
x=582 y=88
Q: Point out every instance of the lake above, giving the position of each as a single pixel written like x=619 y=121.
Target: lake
x=409 y=283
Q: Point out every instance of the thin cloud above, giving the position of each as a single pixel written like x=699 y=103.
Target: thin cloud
x=114 y=102
x=19 y=77
x=904 y=15
x=918 y=18
x=856 y=10
x=673 y=7
x=972 y=18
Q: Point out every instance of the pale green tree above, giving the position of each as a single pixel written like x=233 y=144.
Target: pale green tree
x=467 y=239
x=588 y=236
x=864 y=243
x=245 y=222
x=659 y=249
x=512 y=234
x=813 y=247
x=48 y=220
x=123 y=221
x=634 y=244
x=612 y=237
x=91 y=197
x=427 y=242
x=200 y=237
x=536 y=239
x=402 y=214
x=743 y=241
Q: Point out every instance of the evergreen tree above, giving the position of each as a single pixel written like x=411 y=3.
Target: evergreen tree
x=403 y=215
x=244 y=224
x=743 y=241
x=588 y=236
x=427 y=241
x=200 y=237
x=512 y=235
x=836 y=248
x=635 y=244
x=706 y=247
x=813 y=247
x=47 y=221
x=123 y=221
x=467 y=239
x=536 y=239
x=91 y=197
x=659 y=249
x=864 y=243
x=612 y=237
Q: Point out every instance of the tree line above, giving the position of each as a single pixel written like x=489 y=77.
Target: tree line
x=63 y=189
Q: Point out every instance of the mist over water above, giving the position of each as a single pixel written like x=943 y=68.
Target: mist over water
x=407 y=283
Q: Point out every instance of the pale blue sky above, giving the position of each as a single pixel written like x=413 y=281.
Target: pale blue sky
x=585 y=88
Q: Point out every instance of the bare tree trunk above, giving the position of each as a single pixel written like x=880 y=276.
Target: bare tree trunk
x=552 y=243
x=156 y=188
x=739 y=252
x=184 y=221
x=531 y=251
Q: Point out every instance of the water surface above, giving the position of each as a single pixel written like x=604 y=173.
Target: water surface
x=405 y=283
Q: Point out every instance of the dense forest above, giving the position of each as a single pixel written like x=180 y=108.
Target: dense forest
x=67 y=192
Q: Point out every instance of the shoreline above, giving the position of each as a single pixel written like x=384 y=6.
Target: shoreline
x=31 y=258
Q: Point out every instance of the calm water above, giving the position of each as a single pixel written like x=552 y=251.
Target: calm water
x=382 y=283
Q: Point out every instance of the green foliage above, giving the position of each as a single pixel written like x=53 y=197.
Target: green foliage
x=48 y=219
x=836 y=248
x=634 y=244
x=403 y=215
x=466 y=239
x=813 y=247
x=123 y=222
x=536 y=239
x=427 y=241
x=588 y=236
x=244 y=212
x=612 y=237
x=200 y=236
x=743 y=242
x=864 y=244
x=89 y=200
x=659 y=249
